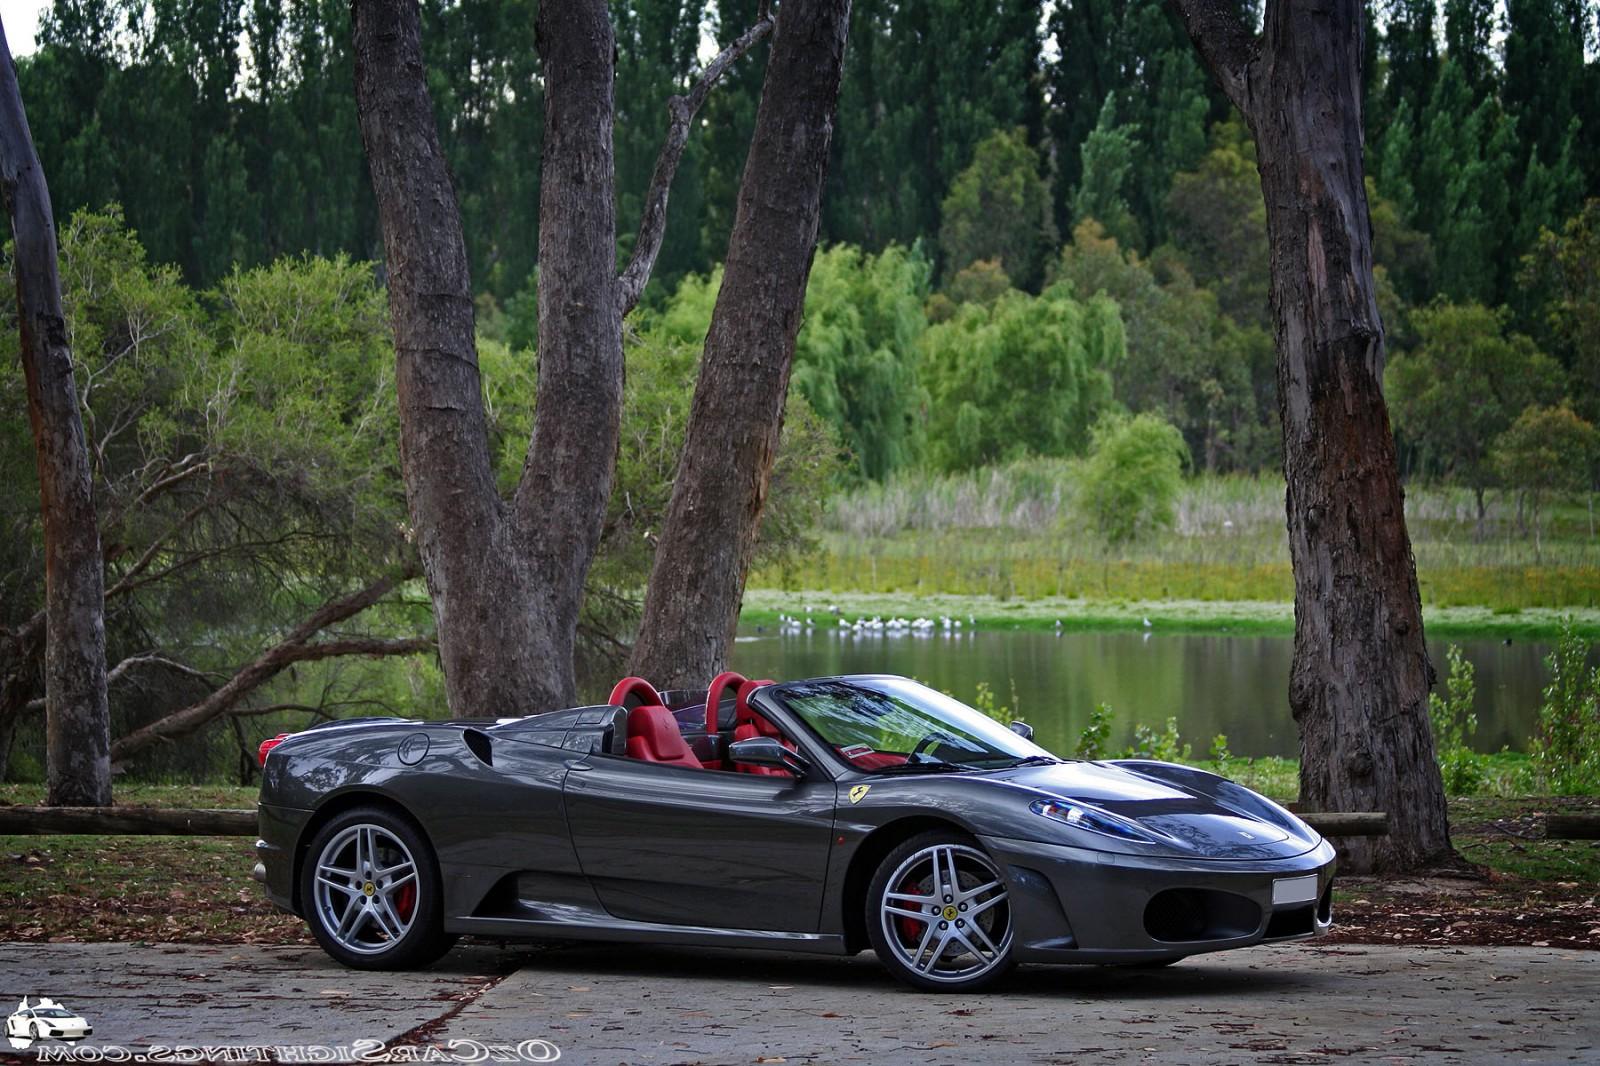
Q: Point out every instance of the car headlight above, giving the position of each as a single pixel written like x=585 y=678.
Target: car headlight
x=1080 y=816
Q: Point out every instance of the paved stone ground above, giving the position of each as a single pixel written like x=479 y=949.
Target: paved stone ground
x=1281 y=1005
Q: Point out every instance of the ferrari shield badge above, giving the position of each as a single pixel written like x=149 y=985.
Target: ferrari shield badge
x=859 y=793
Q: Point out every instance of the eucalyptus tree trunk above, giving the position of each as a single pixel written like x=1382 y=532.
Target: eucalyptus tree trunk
x=697 y=582
x=1360 y=679
x=78 y=722
x=506 y=576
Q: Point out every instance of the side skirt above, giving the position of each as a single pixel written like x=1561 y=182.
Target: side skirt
x=618 y=930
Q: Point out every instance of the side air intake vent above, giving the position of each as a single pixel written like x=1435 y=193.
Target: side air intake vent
x=479 y=745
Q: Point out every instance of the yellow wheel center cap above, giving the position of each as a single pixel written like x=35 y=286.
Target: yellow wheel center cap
x=369 y=888
x=949 y=914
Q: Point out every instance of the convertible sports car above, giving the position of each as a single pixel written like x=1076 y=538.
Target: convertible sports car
x=827 y=815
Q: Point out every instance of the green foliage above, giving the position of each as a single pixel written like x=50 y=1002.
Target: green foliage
x=1546 y=450
x=1132 y=477
x=999 y=208
x=1561 y=275
x=1107 y=161
x=856 y=354
x=1454 y=723
x=1023 y=375
x=1566 y=748
x=1186 y=361
x=1092 y=740
x=1219 y=224
x=1165 y=745
x=1221 y=757
x=1465 y=383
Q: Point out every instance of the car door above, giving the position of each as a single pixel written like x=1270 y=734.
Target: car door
x=683 y=846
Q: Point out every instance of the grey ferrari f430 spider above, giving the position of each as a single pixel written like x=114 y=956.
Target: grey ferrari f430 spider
x=828 y=815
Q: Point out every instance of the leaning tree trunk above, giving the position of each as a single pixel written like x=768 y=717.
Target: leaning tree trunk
x=1359 y=684
x=78 y=722
x=697 y=582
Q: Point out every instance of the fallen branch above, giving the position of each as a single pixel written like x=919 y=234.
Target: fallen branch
x=296 y=647
x=126 y=821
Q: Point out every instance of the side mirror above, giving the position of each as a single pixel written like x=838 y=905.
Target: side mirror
x=765 y=751
x=1022 y=729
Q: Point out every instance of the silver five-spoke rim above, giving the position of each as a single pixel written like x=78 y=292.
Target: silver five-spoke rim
x=946 y=914
x=366 y=889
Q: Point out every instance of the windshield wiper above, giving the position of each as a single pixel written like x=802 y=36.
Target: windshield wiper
x=1034 y=760
x=937 y=766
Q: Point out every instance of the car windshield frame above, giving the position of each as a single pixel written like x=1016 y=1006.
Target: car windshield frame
x=841 y=712
x=52 y=1012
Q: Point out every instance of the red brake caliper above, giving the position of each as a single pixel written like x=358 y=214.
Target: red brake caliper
x=406 y=901
x=910 y=928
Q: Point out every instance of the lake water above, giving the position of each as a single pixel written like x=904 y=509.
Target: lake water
x=1236 y=685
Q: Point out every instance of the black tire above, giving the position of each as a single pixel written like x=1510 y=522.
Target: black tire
x=972 y=865
x=423 y=941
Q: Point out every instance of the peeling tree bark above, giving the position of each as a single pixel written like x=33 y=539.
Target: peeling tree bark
x=697 y=582
x=78 y=724
x=1359 y=684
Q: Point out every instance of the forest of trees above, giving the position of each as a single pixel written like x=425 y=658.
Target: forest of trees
x=969 y=224
x=1042 y=225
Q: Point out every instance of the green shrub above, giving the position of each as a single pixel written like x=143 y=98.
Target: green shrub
x=1092 y=741
x=1566 y=746
x=1132 y=478
x=1165 y=746
x=1453 y=724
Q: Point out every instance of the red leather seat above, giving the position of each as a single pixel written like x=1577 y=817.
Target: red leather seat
x=750 y=723
x=653 y=736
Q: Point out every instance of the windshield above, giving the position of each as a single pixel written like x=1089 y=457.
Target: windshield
x=892 y=725
x=52 y=1012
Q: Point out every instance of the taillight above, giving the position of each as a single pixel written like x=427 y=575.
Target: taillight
x=268 y=745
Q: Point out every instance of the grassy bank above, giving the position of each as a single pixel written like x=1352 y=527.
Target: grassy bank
x=766 y=606
x=1013 y=534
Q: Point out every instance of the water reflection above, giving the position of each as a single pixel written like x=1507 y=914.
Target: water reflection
x=1211 y=684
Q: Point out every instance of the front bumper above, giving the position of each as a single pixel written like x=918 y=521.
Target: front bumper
x=1074 y=905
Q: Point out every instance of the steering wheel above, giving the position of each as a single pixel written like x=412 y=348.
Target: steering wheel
x=936 y=737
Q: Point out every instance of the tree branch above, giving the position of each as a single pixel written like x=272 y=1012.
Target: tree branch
x=653 y=222
x=295 y=647
x=1225 y=45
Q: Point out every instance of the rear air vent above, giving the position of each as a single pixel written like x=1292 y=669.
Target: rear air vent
x=479 y=745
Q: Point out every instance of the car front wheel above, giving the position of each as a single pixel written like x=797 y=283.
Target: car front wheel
x=939 y=914
x=372 y=892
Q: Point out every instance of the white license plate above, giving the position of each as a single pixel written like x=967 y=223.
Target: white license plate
x=1294 y=890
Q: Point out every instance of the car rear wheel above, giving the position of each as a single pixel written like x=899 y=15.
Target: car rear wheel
x=939 y=914
x=372 y=892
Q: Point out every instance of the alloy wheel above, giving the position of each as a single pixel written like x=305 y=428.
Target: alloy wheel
x=365 y=892
x=946 y=914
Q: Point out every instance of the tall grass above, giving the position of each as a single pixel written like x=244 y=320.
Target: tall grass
x=1015 y=531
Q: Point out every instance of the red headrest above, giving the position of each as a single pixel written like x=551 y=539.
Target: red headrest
x=719 y=686
x=634 y=692
x=744 y=714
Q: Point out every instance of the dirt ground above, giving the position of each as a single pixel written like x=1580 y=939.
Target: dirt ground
x=1290 y=1004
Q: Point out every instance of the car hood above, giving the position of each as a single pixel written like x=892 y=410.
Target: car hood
x=1191 y=812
